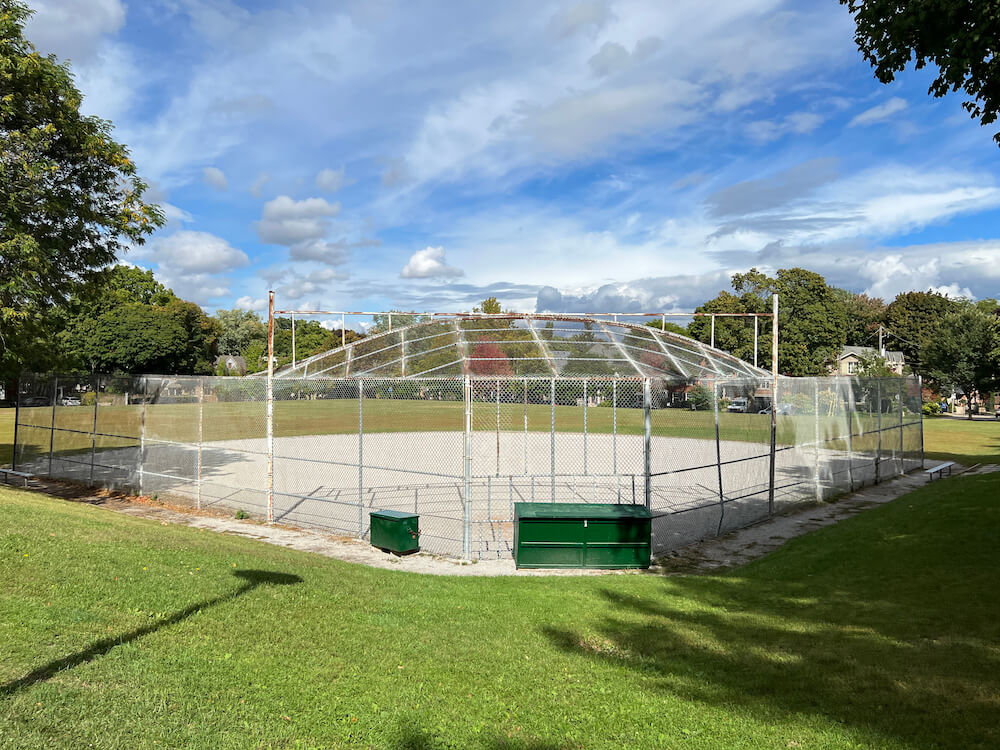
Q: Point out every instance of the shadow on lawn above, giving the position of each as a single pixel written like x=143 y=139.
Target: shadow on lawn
x=414 y=739
x=251 y=580
x=898 y=667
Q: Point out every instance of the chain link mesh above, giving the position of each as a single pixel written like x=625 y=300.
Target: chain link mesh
x=460 y=451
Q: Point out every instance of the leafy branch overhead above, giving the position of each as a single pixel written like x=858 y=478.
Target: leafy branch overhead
x=959 y=36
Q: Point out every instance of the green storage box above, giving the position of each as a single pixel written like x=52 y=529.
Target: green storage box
x=395 y=531
x=581 y=535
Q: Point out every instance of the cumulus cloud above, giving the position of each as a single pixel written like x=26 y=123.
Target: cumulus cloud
x=257 y=186
x=285 y=221
x=614 y=58
x=330 y=180
x=193 y=252
x=878 y=113
x=249 y=303
x=215 y=177
x=59 y=26
x=429 y=263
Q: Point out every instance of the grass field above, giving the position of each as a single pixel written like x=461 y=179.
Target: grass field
x=968 y=442
x=880 y=632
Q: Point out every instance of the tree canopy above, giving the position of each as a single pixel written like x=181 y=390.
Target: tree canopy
x=965 y=352
x=959 y=36
x=72 y=199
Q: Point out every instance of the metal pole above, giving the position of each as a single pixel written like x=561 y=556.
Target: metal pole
x=552 y=434
x=718 y=455
x=466 y=545
x=498 y=427
x=755 y=319
x=343 y=331
x=525 y=425
x=920 y=390
x=17 y=418
x=293 y=339
x=52 y=432
x=647 y=443
x=819 y=488
x=142 y=432
x=390 y=322
x=902 y=446
x=270 y=406
x=849 y=408
x=361 y=458
x=201 y=422
x=878 y=445
x=713 y=331
x=774 y=403
x=584 y=426
x=93 y=434
x=614 y=428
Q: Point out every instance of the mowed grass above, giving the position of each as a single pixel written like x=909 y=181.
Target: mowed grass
x=880 y=632
x=966 y=441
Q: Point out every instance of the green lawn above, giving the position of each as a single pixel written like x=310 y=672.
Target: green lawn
x=968 y=442
x=880 y=632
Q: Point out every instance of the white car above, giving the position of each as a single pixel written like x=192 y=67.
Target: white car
x=738 y=404
x=70 y=401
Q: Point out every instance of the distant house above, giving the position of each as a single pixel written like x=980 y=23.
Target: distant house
x=850 y=357
x=234 y=364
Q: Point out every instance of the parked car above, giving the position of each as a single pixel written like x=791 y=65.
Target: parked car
x=738 y=404
x=70 y=401
x=783 y=409
x=36 y=401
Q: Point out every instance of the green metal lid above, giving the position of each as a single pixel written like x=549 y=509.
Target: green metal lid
x=580 y=510
x=396 y=515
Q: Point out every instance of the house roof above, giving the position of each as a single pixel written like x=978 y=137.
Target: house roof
x=870 y=351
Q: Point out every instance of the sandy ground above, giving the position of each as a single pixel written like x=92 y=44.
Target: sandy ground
x=732 y=549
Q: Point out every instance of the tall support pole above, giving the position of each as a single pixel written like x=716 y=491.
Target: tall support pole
x=96 y=385
x=585 y=427
x=498 y=426
x=142 y=434
x=270 y=406
x=718 y=455
x=920 y=390
x=525 y=426
x=755 y=327
x=819 y=486
x=201 y=422
x=52 y=432
x=647 y=402
x=774 y=403
x=343 y=330
x=713 y=331
x=361 y=459
x=878 y=445
x=552 y=434
x=293 y=339
x=614 y=426
x=466 y=541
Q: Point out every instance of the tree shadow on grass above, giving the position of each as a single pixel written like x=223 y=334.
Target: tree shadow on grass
x=251 y=580
x=416 y=739
x=898 y=668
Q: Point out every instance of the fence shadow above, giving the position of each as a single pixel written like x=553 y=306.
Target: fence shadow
x=251 y=580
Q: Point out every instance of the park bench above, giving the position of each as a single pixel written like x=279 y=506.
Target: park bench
x=7 y=473
x=939 y=470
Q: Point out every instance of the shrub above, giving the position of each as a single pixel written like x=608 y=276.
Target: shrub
x=931 y=409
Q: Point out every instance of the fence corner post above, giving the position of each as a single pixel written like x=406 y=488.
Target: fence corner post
x=819 y=484
x=201 y=400
x=142 y=433
x=467 y=472
x=96 y=385
x=920 y=416
x=361 y=459
x=52 y=431
x=17 y=418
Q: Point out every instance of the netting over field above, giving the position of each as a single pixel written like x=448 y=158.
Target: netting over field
x=461 y=450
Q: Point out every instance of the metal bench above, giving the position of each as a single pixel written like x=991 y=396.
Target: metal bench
x=7 y=473
x=939 y=470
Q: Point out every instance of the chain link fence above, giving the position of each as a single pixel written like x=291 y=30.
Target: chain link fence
x=705 y=456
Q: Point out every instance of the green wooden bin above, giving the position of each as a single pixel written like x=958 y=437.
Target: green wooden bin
x=581 y=535
x=395 y=531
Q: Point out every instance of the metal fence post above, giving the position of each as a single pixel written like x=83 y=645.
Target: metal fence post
x=270 y=408
x=819 y=487
x=525 y=425
x=718 y=455
x=849 y=408
x=584 y=426
x=902 y=446
x=552 y=434
x=466 y=511
x=201 y=400
x=498 y=426
x=17 y=418
x=920 y=390
x=142 y=433
x=361 y=458
x=614 y=429
x=647 y=440
x=878 y=445
x=52 y=432
x=96 y=385
x=774 y=404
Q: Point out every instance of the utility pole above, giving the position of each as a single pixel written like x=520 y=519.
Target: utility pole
x=881 y=348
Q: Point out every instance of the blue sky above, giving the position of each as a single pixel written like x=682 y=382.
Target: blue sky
x=623 y=155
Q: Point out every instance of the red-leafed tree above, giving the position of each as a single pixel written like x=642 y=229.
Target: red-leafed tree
x=489 y=359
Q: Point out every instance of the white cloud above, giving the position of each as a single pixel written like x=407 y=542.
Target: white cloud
x=59 y=26
x=764 y=131
x=330 y=180
x=257 y=186
x=589 y=15
x=429 y=263
x=193 y=252
x=251 y=304
x=285 y=221
x=881 y=112
x=613 y=58
x=215 y=177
